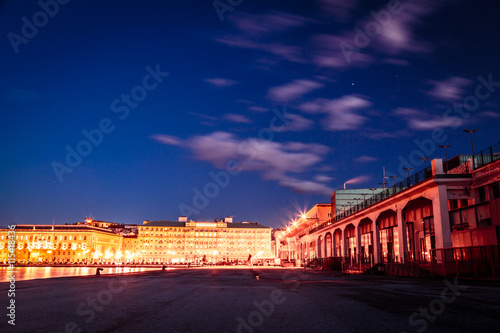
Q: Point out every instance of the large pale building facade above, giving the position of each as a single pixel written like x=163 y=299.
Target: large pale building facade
x=62 y=243
x=195 y=242
x=162 y=242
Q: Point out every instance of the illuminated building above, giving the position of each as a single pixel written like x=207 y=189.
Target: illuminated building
x=161 y=241
x=190 y=241
x=62 y=243
x=438 y=214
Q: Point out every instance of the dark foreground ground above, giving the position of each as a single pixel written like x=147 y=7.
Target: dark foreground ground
x=236 y=300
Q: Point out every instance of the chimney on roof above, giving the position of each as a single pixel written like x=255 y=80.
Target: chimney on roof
x=183 y=219
x=228 y=219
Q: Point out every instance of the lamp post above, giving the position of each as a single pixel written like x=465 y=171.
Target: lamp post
x=394 y=180
x=445 y=155
x=472 y=144
x=408 y=169
x=350 y=203
x=383 y=184
x=425 y=160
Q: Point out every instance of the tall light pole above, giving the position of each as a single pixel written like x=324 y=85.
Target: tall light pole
x=472 y=145
x=425 y=160
x=383 y=184
x=408 y=169
x=445 y=155
x=394 y=179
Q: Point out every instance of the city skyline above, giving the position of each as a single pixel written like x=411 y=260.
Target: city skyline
x=148 y=111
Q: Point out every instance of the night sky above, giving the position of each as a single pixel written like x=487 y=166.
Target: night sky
x=147 y=110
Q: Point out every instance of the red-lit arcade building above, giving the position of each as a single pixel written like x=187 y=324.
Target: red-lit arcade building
x=445 y=213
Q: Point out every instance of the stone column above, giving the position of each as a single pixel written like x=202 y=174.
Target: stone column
x=402 y=239
x=441 y=217
x=358 y=243
x=376 y=242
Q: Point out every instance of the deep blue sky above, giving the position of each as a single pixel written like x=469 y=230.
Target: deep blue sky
x=346 y=118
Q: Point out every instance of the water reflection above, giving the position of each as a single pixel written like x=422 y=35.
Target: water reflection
x=31 y=273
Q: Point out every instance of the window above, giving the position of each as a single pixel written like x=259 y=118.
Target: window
x=496 y=190
x=429 y=226
x=482 y=194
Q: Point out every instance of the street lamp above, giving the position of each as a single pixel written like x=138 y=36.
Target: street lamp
x=445 y=155
x=471 y=143
x=425 y=160
x=408 y=169
x=394 y=179
x=383 y=184
x=350 y=203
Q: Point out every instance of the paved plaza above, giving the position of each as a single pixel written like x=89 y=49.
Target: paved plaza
x=252 y=300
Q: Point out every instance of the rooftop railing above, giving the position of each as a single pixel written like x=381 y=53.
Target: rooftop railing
x=414 y=179
x=487 y=156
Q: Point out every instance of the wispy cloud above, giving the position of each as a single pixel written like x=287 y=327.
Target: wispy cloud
x=203 y=116
x=305 y=186
x=283 y=162
x=365 y=159
x=220 y=82
x=423 y=121
x=292 y=90
x=341 y=112
x=258 y=108
x=270 y=23
x=287 y=52
x=297 y=123
x=339 y=9
x=380 y=135
x=322 y=178
x=237 y=118
x=329 y=53
x=167 y=139
x=353 y=48
x=258 y=32
x=450 y=89
x=399 y=36
x=490 y=114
